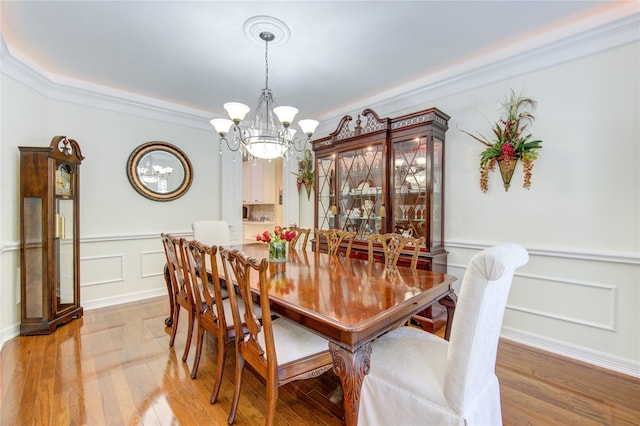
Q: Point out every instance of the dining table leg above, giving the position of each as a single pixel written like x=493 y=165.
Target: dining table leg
x=351 y=367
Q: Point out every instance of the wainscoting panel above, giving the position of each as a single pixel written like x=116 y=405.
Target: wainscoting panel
x=152 y=263
x=578 y=304
x=97 y=270
x=531 y=294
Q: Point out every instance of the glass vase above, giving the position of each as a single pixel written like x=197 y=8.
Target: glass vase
x=277 y=251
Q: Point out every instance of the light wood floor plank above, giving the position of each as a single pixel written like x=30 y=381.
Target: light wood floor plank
x=115 y=367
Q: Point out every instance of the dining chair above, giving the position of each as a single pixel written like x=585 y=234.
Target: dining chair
x=212 y=232
x=416 y=377
x=175 y=273
x=335 y=238
x=392 y=246
x=211 y=314
x=293 y=244
x=278 y=350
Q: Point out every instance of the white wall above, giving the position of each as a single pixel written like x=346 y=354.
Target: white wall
x=578 y=295
x=581 y=218
x=121 y=253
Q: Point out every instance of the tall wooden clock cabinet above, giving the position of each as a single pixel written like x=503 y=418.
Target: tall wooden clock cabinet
x=50 y=235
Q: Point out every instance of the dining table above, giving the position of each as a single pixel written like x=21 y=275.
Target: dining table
x=350 y=302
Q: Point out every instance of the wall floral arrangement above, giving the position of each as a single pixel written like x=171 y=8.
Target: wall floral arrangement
x=510 y=143
x=305 y=175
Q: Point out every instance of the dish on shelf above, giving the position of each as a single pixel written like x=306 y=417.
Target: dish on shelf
x=363 y=187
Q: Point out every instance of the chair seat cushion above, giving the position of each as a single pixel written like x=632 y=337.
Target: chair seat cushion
x=294 y=342
x=409 y=364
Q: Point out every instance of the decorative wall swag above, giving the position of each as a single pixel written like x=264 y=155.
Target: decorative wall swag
x=510 y=143
x=305 y=175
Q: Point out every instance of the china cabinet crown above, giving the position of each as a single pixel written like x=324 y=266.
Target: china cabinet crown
x=49 y=231
x=385 y=175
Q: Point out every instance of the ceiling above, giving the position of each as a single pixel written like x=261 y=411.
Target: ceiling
x=340 y=53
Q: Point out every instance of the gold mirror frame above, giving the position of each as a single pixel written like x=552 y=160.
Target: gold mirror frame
x=159 y=171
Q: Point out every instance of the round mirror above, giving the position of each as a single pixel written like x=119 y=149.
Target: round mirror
x=159 y=171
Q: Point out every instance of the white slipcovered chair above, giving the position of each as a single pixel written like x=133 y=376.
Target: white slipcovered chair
x=211 y=232
x=418 y=378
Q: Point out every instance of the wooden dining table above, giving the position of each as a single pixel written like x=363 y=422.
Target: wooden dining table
x=349 y=302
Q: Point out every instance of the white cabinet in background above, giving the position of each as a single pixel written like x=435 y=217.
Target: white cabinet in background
x=258 y=182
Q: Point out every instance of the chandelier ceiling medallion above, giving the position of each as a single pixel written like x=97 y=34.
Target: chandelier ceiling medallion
x=269 y=134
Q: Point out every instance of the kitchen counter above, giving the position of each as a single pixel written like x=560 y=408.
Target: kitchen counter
x=253 y=228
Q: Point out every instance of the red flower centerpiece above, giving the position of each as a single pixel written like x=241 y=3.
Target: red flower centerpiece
x=277 y=240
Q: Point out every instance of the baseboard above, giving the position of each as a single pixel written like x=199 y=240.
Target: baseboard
x=621 y=365
x=13 y=330
x=125 y=298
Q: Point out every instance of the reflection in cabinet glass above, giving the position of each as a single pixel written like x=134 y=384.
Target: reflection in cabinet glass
x=385 y=175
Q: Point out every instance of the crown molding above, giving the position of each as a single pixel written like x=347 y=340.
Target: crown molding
x=604 y=31
x=78 y=92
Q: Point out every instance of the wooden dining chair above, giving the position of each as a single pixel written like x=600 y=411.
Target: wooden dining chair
x=417 y=377
x=278 y=350
x=212 y=310
x=335 y=238
x=300 y=232
x=175 y=273
x=392 y=246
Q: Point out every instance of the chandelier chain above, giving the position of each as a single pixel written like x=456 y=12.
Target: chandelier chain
x=266 y=64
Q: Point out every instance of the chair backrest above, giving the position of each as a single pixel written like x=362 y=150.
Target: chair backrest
x=471 y=356
x=334 y=238
x=171 y=246
x=300 y=232
x=392 y=246
x=212 y=232
x=238 y=268
x=203 y=269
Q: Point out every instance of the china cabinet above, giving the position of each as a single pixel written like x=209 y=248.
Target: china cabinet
x=385 y=175
x=49 y=231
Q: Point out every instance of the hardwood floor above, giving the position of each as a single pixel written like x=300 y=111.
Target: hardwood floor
x=114 y=366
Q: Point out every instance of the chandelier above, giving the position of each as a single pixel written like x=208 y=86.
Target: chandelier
x=269 y=134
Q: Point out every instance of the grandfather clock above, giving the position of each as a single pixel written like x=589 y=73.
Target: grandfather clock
x=49 y=230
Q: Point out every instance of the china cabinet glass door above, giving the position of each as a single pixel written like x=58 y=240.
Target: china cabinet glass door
x=361 y=190
x=417 y=189
x=436 y=232
x=325 y=192
x=410 y=183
